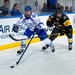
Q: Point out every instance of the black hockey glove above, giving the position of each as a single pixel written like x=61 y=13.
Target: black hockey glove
x=49 y=24
x=15 y=28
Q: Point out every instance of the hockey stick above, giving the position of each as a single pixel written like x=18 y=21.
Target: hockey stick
x=15 y=38
x=25 y=50
x=34 y=37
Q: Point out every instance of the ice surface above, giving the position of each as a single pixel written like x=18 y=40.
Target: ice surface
x=37 y=62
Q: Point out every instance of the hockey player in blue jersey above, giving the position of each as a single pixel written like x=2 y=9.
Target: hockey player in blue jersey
x=33 y=24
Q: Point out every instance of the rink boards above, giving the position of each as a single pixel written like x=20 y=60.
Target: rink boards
x=6 y=25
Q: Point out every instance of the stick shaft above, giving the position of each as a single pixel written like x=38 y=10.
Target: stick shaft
x=34 y=37
x=25 y=50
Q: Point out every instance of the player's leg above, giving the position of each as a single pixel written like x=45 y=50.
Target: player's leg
x=70 y=39
x=55 y=31
x=44 y=37
x=27 y=34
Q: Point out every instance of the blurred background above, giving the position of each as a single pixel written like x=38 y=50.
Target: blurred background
x=16 y=7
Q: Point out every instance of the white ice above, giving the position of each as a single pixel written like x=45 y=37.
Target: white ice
x=37 y=62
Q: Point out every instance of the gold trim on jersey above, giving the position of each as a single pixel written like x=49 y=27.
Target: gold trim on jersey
x=67 y=23
x=49 y=19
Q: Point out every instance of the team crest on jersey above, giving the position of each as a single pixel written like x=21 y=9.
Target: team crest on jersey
x=21 y=17
x=64 y=17
x=33 y=15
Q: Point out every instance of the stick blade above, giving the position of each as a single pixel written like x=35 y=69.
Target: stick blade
x=17 y=63
x=13 y=38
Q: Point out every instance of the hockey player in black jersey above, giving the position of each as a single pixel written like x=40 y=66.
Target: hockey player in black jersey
x=62 y=25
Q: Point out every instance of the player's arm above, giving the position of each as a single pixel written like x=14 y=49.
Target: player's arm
x=50 y=21
x=69 y=30
x=68 y=26
x=18 y=25
x=39 y=23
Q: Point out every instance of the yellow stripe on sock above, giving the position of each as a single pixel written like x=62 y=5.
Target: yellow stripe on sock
x=70 y=40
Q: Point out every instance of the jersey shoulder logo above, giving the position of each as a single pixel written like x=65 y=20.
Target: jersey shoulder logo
x=64 y=17
x=34 y=15
x=21 y=17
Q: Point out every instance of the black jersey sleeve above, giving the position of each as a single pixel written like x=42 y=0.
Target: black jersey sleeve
x=50 y=21
x=67 y=24
x=66 y=20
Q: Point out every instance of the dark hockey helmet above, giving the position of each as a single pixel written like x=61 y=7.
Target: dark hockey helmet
x=59 y=10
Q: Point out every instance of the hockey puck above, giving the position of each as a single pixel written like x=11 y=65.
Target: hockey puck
x=11 y=66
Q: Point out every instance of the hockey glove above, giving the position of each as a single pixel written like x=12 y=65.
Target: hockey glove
x=15 y=28
x=49 y=24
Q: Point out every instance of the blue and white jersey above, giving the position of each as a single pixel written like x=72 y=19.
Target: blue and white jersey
x=31 y=23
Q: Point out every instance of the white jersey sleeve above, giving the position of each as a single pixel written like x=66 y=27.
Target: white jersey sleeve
x=39 y=23
x=31 y=23
x=21 y=22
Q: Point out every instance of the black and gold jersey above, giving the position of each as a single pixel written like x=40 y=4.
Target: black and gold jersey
x=62 y=23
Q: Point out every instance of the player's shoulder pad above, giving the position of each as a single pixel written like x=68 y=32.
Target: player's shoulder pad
x=33 y=15
x=65 y=17
x=21 y=17
x=52 y=16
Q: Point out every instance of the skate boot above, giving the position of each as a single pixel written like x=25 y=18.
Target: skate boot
x=22 y=49
x=45 y=47
x=70 y=46
x=52 y=48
